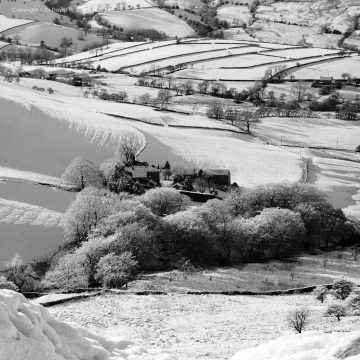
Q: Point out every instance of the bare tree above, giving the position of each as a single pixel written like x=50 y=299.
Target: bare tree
x=129 y=147
x=299 y=91
x=163 y=97
x=169 y=80
x=298 y=319
x=188 y=87
x=247 y=119
x=65 y=43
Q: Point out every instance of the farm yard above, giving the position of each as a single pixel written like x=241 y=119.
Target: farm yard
x=149 y=18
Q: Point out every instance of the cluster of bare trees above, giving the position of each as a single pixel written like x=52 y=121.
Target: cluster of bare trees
x=238 y=117
x=169 y=82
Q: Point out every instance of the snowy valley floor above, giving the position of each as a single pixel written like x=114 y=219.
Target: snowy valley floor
x=196 y=326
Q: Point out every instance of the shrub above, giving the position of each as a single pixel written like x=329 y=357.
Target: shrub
x=342 y=289
x=336 y=310
x=164 y=201
x=320 y=293
x=69 y=273
x=353 y=304
x=114 y=271
x=357 y=149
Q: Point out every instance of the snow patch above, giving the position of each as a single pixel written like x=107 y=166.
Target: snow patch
x=307 y=346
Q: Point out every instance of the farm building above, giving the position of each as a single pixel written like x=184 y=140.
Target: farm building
x=218 y=176
x=142 y=173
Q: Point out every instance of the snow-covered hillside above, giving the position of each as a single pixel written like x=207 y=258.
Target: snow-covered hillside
x=27 y=331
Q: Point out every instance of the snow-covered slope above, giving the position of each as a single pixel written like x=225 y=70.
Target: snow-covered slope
x=336 y=15
x=307 y=346
x=27 y=331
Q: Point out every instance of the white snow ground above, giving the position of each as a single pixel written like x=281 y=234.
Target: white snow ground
x=27 y=331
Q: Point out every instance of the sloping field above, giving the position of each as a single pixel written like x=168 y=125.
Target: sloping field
x=234 y=15
x=30 y=241
x=28 y=9
x=321 y=132
x=251 y=163
x=333 y=69
x=315 y=13
x=249 y=72
x=100 y=51
x=52 y=34
x=302 y=53
x=183 y=53
x=192 y=58
x=292 y=34
x=92 y=6
x=337 y=174
x=153 y=18
x=37 y=195
x=8 y=23
x=3 y=44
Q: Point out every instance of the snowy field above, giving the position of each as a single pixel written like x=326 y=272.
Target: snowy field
x=183 y=52
x=8 y=23
x=324 y=131
x=27 y=9
x=234 y=15
x=194 y=327
x=91 y=6
x=338 y=177
x=253 y=73
x=195 y=58
x=153 y=18
x=333 y=69
x=3 y=44
x=52 y=34
x=291 y=34
x=316 y=13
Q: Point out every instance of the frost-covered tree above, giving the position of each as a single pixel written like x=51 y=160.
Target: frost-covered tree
x=342 y=289
x=336 y=310
x=82 y=173
x=320 y=293
x=164 y=201
x=279 y=232
x=69 y=273
x=90 y=207
x=114 y=271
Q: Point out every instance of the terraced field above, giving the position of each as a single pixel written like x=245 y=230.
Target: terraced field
x=149 y=18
